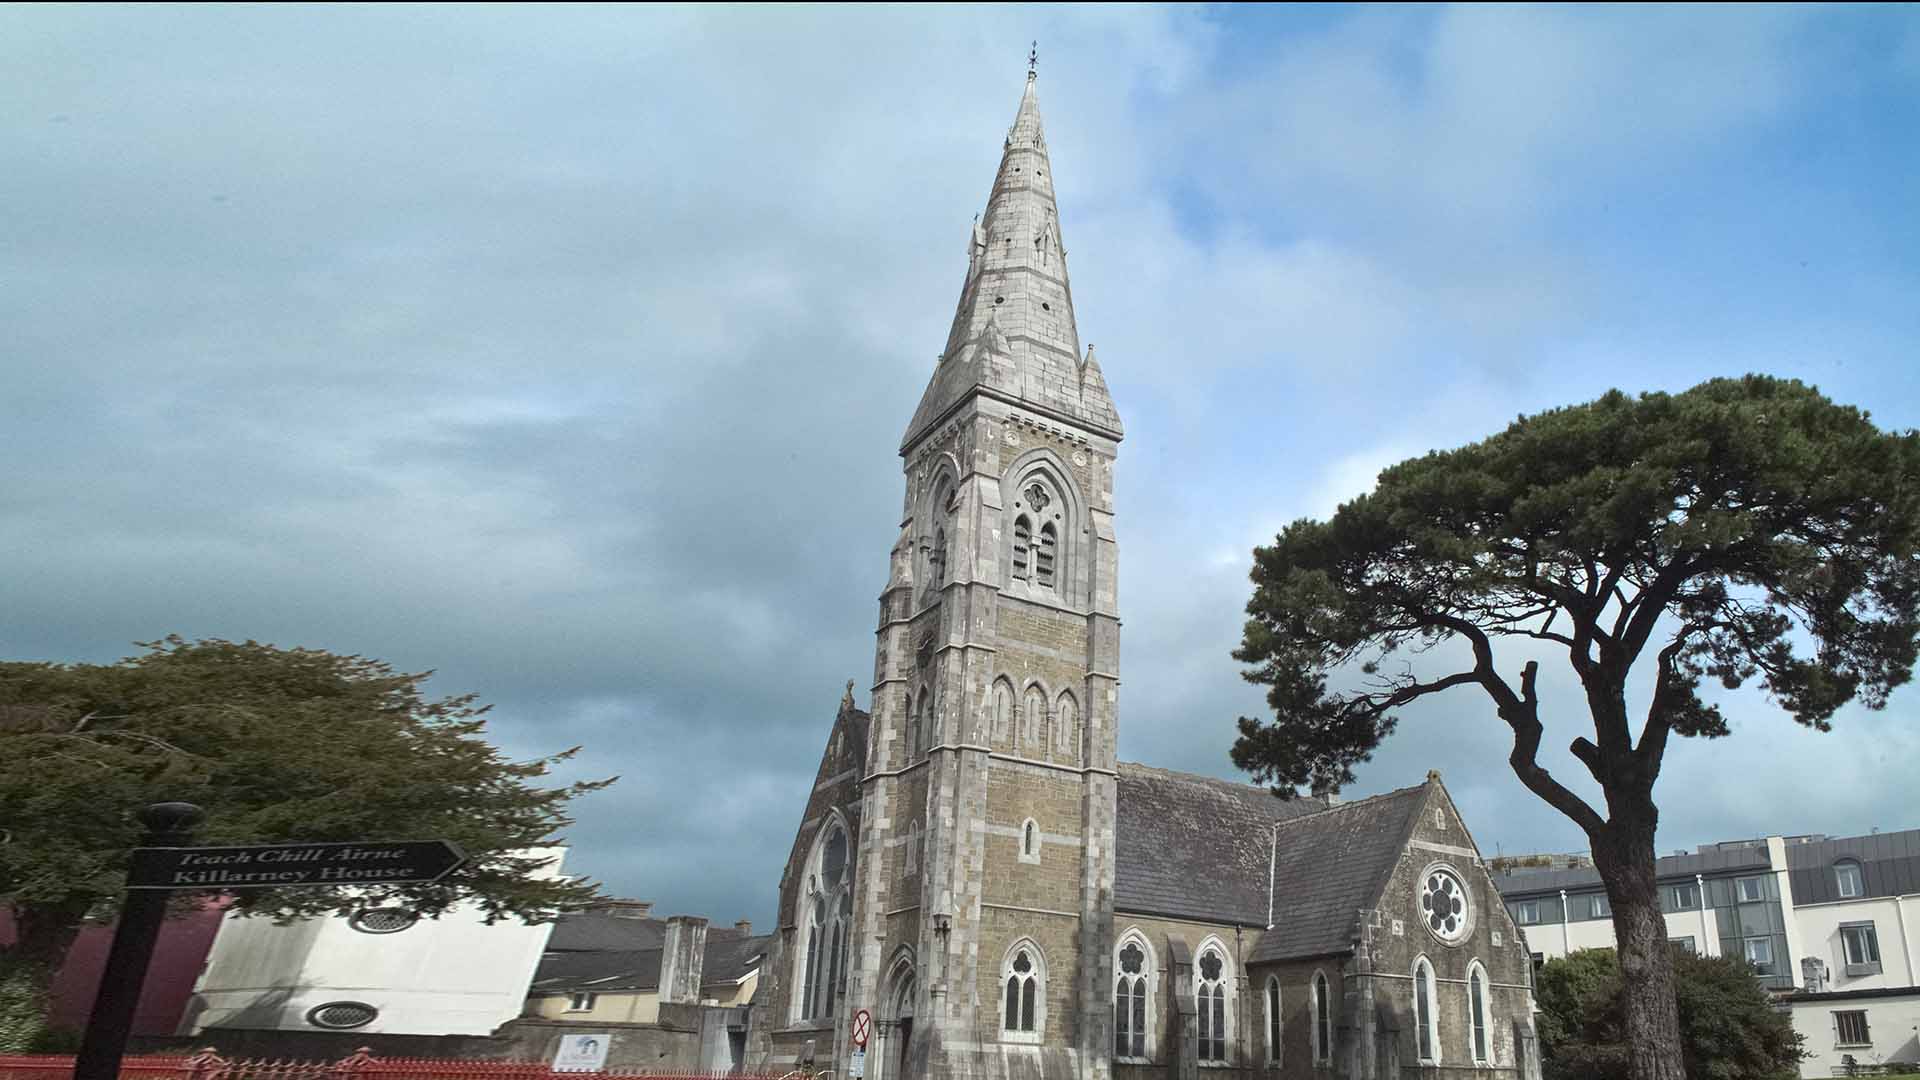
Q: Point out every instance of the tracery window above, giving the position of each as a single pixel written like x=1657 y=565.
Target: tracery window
x=1130 y=984
x=1426 y=1031
x=1477 y=992
x=1322 y=1019
x=829 y=915
x=1210 y=994
x=1024 y=975
x=1273 y=1020
x=1443 y=904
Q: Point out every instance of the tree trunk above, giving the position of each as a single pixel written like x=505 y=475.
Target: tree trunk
x=1623 y=853
x=42 y=934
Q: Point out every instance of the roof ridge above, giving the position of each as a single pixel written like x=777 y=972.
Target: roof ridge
x=1371 y=800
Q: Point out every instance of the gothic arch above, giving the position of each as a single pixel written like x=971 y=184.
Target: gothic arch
x=1050 y=568
x=898 y=1004
x=1136 y=986
x=1214 y=980
x=1023 y=992
x=824 y=915
x=1032 y=738
x=1066 y=728
x=1002 y=721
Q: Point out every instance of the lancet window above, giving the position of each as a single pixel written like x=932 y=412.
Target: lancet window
x=1133 y=978
x=1211 y=977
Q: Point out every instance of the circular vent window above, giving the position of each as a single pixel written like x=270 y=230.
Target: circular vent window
x=1443 y=905
x=342 y=1014
x=384 y=920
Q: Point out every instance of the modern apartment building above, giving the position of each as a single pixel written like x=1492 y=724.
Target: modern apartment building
x=1831 y=925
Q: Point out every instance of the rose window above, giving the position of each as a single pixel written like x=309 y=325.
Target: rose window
x=1443 y=903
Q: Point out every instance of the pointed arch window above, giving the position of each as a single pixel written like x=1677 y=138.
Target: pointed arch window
x=1043 y=556
x=828 y=904
x=1033 y=717
x=916 y=719
x=1273 y=1020
x=1426 y=1027
x=1002 y=712
x=1022 y=548
x=1066 y=733
x=1322 y=1019
x=1477 y=993
x=1133 y=967
x=1210 y=995
x=1024 y=998
x=1030 y=841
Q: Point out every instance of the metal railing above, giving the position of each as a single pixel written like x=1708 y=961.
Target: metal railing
x=361 y=1065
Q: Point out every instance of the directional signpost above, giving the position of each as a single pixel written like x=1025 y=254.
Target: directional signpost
x=166 y=864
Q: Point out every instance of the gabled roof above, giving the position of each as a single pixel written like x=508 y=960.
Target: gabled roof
x=1195 y=846
x=729 y=958
x=600 y=931
x=1329 y=866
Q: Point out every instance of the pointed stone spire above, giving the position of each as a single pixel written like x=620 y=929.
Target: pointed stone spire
x=1013 y=333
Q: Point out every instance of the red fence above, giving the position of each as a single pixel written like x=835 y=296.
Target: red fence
x=362 y=1065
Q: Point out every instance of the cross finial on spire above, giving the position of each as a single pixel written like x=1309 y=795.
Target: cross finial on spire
x=1033 y=61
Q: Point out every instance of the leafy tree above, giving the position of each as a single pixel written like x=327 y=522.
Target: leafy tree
x=1729 y=1029
x=276 y=745
x=1744 y=530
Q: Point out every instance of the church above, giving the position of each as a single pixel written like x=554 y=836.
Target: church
x=977 y=873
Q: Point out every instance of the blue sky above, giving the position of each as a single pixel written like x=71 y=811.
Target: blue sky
x=565 y=351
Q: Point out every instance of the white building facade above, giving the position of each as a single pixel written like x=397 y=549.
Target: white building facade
x=378 y=971
x=1831 y=925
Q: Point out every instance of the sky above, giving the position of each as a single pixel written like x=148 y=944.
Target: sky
x=565 y=352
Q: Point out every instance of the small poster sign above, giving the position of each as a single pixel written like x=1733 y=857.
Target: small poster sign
x=582 y=1053
x=857 y=1064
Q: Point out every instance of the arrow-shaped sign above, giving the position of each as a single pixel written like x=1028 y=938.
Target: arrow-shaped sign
x=276 y=865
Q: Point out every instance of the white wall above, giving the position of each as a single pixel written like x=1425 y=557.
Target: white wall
x=453 y=975
x=1893 y=1023
x=1820 y=937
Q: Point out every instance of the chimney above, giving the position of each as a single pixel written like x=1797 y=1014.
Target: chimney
x=744 y=927
x=681 y=956
x=621 y=909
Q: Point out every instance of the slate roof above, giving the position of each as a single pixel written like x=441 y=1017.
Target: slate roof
x=1330 y=865
x=1194 y=846
x=1529 y=882
x=729 y=957
x=600 y=931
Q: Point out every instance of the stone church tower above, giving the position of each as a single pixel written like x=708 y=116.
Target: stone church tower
x=983 y=912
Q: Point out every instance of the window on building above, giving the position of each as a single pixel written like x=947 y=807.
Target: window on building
x=1862 y=947
x=1539 y=960
x=829 y=916
x=1683 y=897
x=1033 y=717
x=1760 y=954
x=1752 y=889
x=1043 y=556
x=1597 y=906
x=1030 y=840
x=1526 y=912
x=1135 y=975
x=1210 y=994
x=1477 y=992
x=1066 y=727
x=1683 y=943
x=1847 y=880
x=1322 y=1019
x=1022 y=548
x=1002 y=712
x=1023 y=992
x=1273 y=1020
x=1850 y=1028
x=1425 y=1033
x=581 y=1002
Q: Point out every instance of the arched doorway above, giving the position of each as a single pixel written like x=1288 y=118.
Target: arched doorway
x=897 y=1025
